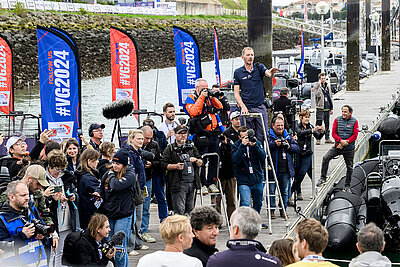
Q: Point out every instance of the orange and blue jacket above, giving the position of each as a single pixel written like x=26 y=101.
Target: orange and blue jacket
x=196 y=105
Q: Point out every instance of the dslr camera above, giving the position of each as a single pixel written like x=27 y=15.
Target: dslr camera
x=215 y=93
x=148 y=156
x=284 y=143
x=252 y=135
x=40 y=228
x=184 y=148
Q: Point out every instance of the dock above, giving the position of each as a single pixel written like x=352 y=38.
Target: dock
x=370 y=105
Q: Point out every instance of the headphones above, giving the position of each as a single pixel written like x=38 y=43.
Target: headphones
x=90 y=132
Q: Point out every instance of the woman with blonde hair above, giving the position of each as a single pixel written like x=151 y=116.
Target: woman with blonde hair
x=88 y=182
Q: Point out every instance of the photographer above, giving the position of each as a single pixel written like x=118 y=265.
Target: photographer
x=304 y=130
x=20 y=222
x=223 y=114
x=281 y=105
x=87 y=247
x=203 y=108
x=182 y=161
x=282 y=147
x=248 y=157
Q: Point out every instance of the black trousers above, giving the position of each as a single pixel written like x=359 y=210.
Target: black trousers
x=348 y=156
x=323 y=116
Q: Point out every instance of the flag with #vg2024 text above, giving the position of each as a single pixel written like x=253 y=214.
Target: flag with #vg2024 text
x=124 y=67
x=60 y=83
x=6 y=77
x=188 y=64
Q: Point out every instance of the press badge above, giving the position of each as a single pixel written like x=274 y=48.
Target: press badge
x=251 y=169
x=189 y=169
x=31 y=247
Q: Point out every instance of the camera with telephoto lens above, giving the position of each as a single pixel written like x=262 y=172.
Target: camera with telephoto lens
x=40 y=228
x=215 y=93
x=284 y=143
x=183 y=149
x=251 y=134
x=115 y=240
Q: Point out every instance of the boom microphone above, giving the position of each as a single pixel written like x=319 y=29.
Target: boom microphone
x=118 y=109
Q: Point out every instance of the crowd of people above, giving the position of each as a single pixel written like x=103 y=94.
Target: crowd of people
x=87 y=187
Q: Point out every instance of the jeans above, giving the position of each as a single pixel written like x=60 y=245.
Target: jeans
x=213 y=146
x=323 y=116
x=144 y=228
x=255 y=123
x=124 y=224
x=183 y=201
x=303 y=163
x=254 y=192
x=158 y=189
x=283 y=182
x=56 y=256
x=135 y=239
x=348 y=156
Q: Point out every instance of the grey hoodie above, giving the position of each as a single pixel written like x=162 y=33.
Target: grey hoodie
x=370 y=258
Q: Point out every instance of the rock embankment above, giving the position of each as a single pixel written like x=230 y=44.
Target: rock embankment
x=153 y=36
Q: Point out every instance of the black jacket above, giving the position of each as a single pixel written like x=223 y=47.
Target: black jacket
x=174 y=177
x=154 y=148
x=304 y=138
x=223 y=114
x=226 y=155
x=200 y=250
x=87 y=253
x=280 y=104
x=102 y=166
x=118 y=194
x=87 y=185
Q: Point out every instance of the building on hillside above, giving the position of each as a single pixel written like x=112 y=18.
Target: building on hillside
x=198 y=7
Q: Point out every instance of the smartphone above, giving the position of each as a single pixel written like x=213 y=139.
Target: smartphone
x=57 y=189
x=53 y=132
x=79 y=132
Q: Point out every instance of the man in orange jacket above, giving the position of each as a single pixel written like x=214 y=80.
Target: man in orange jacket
x=204 y=124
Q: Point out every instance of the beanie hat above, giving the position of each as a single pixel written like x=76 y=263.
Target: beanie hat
x=122 y=156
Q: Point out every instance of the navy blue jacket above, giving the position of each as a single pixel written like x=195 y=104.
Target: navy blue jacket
x=87 y=185
x=137 y=161
x=293 y=149
x=243 y=253
x=118 y=194
x=241 y=163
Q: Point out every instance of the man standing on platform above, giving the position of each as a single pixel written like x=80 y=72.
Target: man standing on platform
x=249 y=90
x=168 y=126
x=324 y=105
x=345 y=132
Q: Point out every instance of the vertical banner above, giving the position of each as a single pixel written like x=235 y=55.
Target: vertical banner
x=60 y=83
x=188 y=64
x=216 y=58
x=300 y=71
x=124 y=67
x=6 y=77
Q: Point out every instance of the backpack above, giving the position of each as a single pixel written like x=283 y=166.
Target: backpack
x=69 y=256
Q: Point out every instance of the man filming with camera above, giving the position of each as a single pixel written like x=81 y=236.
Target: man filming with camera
x=20 y=222
x=282 y=147
x=203 y=107
x=248 y=156
x=182 y=161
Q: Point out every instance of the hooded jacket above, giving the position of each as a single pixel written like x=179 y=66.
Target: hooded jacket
x=136 y=160
x=293 y=149
x=370 y=259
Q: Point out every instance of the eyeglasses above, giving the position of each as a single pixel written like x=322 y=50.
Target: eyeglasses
x=98 y=131
x=58 y=169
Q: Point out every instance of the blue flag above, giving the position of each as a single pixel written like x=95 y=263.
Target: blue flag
x=300 y=71
x=216 y=58
x=60 y=83
x=188 y=65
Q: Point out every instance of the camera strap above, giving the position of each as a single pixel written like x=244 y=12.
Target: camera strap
x=248 y=156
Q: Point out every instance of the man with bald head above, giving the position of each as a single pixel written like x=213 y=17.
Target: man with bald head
x=154 y=182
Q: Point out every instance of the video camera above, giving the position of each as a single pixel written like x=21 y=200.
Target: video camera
x=40 y=228
x=115 y=240
x=294 y=107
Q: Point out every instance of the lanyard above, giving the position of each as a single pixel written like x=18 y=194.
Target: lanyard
x=313 y=258
x=248 y=155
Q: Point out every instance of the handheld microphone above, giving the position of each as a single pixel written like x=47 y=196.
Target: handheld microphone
x=118 y=109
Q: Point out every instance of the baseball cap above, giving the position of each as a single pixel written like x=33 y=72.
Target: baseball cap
x=95 y=126
x=180 y=128
x=14 y=139
x=39 y=173
x=234 y=115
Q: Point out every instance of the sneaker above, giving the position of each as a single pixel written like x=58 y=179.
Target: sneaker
x=133 y=253
x=328 y=141
x=318 y=142
x=213 y=189
x=273 y=215
x=321 y=182
x=290 y=202
x=264 y=226
x=144 y=247
x=147 y=238
x=204 y=189
x=299 y=196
